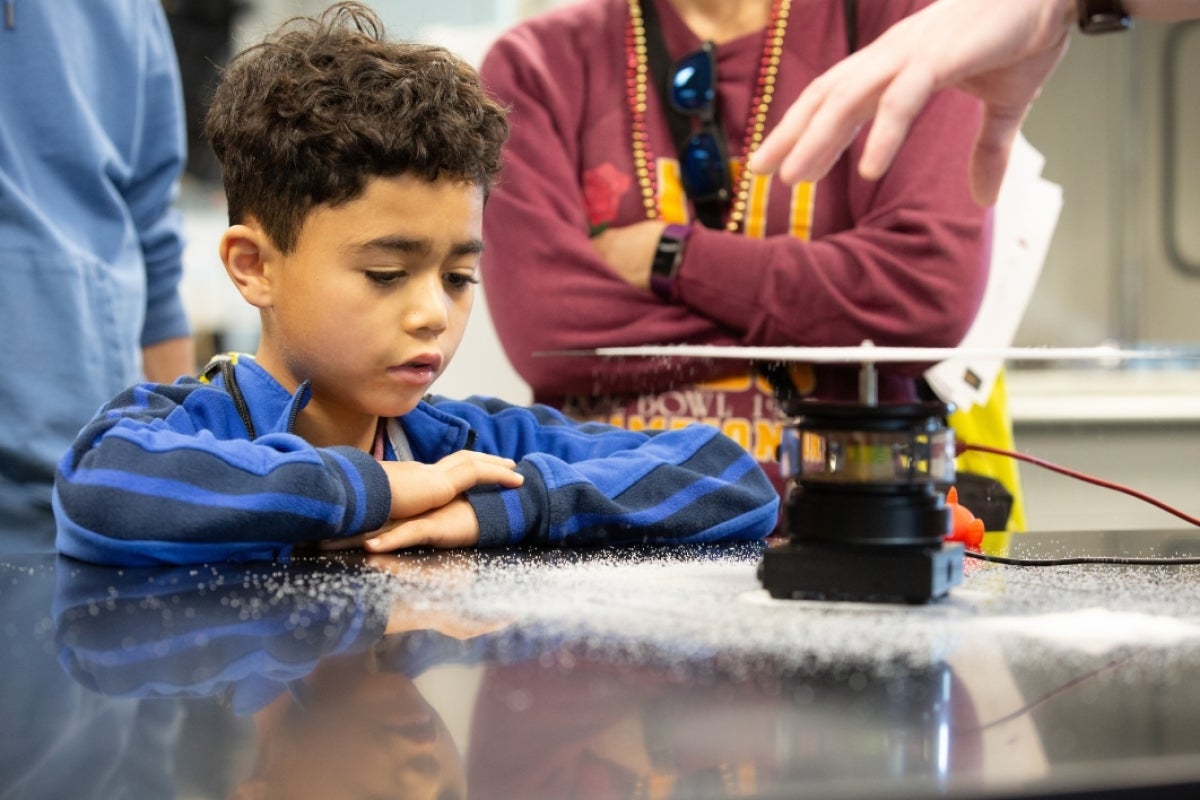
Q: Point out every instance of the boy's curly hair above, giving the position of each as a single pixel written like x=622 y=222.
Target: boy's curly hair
x=311 y=114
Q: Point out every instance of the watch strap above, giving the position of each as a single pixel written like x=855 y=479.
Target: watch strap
x=667 y=258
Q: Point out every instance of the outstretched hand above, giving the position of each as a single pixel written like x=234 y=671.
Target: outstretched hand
x=1000 y=52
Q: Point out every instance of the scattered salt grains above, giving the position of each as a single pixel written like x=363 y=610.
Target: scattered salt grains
x=1097 y=630
x=685 y=607
x=673 y=605
x=685 y=603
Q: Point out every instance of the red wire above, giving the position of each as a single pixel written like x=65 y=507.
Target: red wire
x=963 y=447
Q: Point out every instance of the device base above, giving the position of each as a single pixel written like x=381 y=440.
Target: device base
x=884 y=574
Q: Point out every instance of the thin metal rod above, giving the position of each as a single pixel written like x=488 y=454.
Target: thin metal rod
x=868 y=384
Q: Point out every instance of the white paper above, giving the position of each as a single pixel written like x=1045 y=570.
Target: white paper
x=1026 y=215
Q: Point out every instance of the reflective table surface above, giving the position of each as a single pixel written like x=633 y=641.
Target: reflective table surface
x=637 y=673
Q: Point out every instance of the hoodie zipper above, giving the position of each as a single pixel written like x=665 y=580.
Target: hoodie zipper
x=239 y=402
x=10 y=14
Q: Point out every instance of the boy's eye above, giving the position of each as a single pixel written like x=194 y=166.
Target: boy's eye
x=460 y=280
x=385 y=278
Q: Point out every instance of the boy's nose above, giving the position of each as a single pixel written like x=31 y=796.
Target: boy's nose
x=426 y=307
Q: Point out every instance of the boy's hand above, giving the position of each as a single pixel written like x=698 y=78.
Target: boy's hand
x=428 y=507
x=452 y=525
x=417 y=488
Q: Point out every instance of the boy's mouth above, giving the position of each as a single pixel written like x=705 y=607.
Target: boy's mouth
x=420 y=370
x=433 y=362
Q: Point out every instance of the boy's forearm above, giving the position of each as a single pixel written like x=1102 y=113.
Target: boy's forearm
x=138 y=486
x=691 y=485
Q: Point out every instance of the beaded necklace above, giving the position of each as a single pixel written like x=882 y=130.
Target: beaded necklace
x=636 y=70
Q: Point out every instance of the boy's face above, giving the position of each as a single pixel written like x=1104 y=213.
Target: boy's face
x=372 y=303
x=364 y=732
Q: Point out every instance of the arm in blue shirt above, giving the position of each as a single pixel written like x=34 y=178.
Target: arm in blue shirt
x=167 y=474
x=589 y=483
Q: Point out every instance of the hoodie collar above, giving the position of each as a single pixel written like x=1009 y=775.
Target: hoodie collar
x=432 y=434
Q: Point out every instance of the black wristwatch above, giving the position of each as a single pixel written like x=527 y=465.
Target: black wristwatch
x=1102 y=16
x=667 y=259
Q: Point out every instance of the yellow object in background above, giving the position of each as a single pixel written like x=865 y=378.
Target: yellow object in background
x=991 y=425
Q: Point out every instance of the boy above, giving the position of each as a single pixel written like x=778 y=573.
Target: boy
x=356 y=171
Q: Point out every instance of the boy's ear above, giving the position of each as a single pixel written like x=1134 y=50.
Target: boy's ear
x=249 y=256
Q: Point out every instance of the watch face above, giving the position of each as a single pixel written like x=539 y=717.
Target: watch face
x=1103 y=16
x=666 y=258
x=1106 y=23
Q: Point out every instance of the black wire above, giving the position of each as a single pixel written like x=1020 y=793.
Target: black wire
x=1058 y=562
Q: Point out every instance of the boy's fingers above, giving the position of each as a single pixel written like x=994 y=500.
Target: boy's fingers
x=468 y=469
x=471 y=455
x=505 y=476
x=453 y=525
x=422 y=487
x=345 y=543
x=467 y=460
x=396 y=537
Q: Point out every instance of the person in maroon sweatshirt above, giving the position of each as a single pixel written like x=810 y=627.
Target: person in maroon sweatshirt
x=592 y=201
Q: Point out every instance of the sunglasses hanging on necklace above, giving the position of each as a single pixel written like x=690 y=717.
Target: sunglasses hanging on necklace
x=704 y=155
x=689 y=90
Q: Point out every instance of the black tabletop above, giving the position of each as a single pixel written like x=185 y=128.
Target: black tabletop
x=633 y=673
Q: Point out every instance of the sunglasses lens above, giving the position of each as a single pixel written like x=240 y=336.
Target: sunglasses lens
x=705 y=170
x=692 y=86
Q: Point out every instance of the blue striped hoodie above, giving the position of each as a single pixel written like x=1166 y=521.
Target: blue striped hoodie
x=171 y=474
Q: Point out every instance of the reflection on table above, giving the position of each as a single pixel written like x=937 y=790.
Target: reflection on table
x=636 y=673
